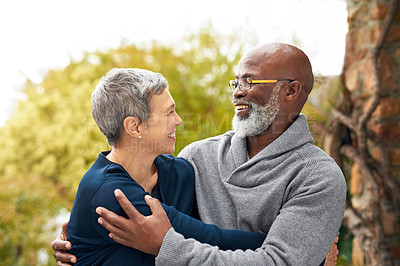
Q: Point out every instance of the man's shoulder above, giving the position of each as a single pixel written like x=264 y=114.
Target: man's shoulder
x=212 y=140
x=207 y=144
x=317 y=160
x=310 y=151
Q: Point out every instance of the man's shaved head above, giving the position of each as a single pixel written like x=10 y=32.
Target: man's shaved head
x=287 y=61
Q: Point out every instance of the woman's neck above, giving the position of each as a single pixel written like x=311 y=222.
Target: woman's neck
x=139 y=165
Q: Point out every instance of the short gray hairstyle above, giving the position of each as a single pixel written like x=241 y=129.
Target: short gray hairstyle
x=124 y=92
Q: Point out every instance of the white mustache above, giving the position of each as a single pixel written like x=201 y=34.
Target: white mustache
x=237 y=101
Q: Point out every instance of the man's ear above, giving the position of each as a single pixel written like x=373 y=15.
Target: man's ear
x=293 y=90
x=131 y=126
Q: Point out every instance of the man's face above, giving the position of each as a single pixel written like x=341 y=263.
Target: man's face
x=255 y=109
x=259 y=117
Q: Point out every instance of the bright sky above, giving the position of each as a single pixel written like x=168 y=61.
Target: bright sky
x=43 y=34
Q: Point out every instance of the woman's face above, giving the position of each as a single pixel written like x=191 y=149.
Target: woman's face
x=158 y=134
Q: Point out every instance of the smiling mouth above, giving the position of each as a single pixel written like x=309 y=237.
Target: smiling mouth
x=241 y=107
x=172 y=135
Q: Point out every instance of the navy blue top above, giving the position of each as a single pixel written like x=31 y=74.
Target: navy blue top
x=90 y=241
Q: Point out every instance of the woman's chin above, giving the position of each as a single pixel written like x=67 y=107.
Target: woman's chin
x=168 y=150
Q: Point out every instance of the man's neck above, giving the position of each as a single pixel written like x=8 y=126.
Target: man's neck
x=257 y=143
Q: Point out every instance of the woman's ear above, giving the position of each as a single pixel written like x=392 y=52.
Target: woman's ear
x=132 y=126
x=293 y=90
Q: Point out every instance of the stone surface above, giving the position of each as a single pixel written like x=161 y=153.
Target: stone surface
x=351 y=78
x=390 y=132
x=388 y=75
x=397 y=15
x=350 y=49
x=387 y=107
x=389 y=219
x=369 y=77
x=394 y=34
x=394 y=157
x=362 y=53
x=396 y=252
x=355 y=181
x=379 y=11
x=357 y=253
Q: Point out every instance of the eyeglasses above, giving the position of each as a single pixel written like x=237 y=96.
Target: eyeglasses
x=244 y=84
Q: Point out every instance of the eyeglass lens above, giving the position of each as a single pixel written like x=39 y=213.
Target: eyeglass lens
x=243 y=84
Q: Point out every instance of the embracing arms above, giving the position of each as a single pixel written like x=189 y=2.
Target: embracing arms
x=301 y=233
x=138 y=231
x=184 y=224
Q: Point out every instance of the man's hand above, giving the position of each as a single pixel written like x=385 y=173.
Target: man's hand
x=144 y=233
x=331 y=258
x=60 y=245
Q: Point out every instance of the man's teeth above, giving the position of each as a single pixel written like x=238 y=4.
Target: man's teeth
x=241 y=107
x=172 y=135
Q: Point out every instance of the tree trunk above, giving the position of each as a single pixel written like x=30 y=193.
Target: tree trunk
x=370 y=113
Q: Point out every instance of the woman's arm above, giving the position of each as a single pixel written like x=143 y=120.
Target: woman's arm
x=186 y=225
x=182 y=223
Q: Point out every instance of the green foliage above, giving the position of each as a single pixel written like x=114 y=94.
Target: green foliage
x=323 y=99
x=51 y=139
x=345 y=247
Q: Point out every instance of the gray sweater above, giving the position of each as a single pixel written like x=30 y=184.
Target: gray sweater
x=291 y=191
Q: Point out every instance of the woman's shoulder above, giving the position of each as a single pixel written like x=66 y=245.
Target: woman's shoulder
x=168 y=162
x=174 y=172
x=176 y=180
x=114 y=176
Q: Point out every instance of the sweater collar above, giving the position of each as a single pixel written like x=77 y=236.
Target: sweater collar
x=296 y=135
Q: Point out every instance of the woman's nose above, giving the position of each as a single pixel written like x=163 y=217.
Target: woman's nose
x=178 y=120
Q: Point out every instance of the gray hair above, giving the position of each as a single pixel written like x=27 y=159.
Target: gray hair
x=124 y=92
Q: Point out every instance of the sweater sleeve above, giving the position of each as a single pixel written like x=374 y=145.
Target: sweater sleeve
x=301 y=234
x=212 y=234
x=182 y=223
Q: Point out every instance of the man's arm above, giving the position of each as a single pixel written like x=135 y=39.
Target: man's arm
x=311 y=217
x=184 y=224
x=140 y=231
x=60 y=245
x=124 y=230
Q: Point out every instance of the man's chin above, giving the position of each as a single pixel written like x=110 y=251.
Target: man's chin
x=244 y=128
x=240 y=127
x=241 y=117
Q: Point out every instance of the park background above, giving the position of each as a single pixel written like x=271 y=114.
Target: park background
x=54 y=52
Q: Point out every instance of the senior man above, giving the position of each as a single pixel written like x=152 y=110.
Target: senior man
x=264 y=176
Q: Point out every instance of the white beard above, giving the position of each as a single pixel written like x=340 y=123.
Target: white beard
x=260 y=117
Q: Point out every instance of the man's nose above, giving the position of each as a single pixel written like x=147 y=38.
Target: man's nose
x=238 y=93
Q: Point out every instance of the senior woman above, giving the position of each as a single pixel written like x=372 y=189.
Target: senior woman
x=136 y=113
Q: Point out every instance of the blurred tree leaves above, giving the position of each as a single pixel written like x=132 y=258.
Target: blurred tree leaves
x=51 y=139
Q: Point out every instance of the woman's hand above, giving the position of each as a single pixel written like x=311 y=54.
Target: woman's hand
x=60 y=245
x=331 y=258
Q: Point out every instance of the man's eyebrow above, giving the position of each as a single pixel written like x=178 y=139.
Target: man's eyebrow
x=243 y=76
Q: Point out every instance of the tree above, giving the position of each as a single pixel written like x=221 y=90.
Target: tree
x=364 y=132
